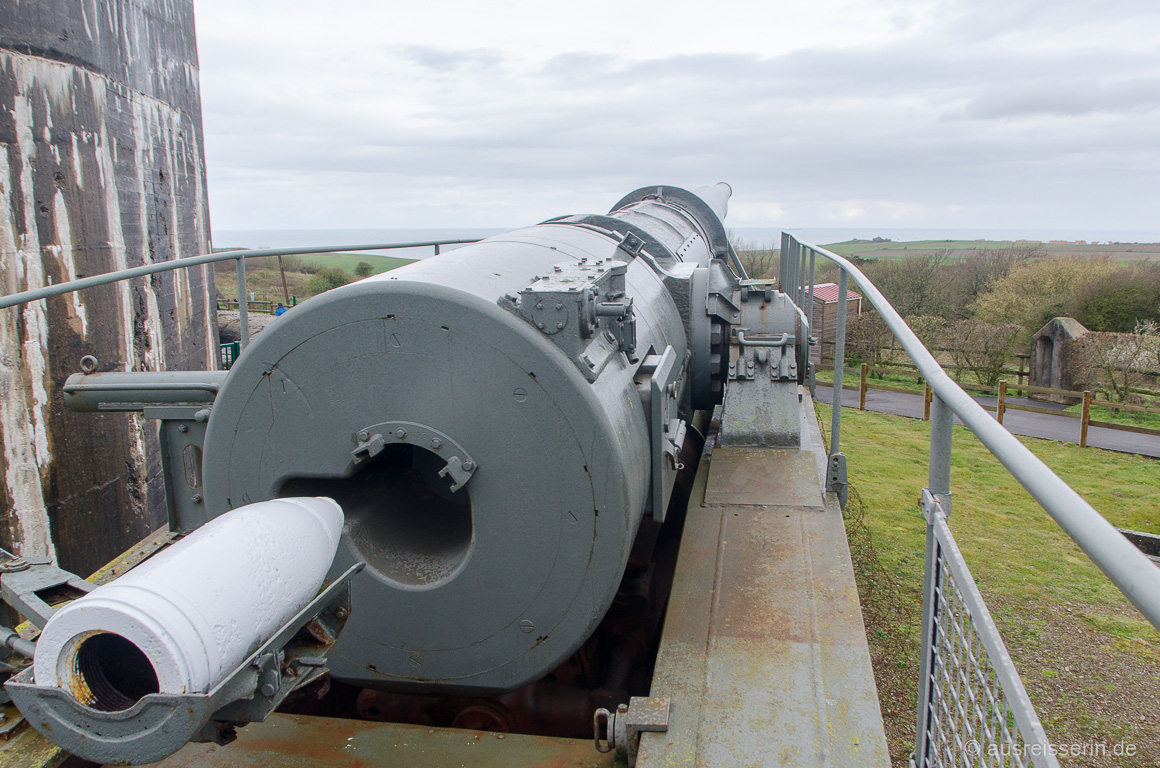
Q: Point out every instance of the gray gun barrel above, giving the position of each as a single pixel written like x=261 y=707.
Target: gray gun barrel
x=496 y=421
x=135 y=391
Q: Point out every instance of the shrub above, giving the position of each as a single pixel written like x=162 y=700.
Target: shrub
x=1036 y=291
x=364 y=269
x=1117 y=301
x=1115 y=363
x=325 y=279
x=983 y=348
x=866 y=337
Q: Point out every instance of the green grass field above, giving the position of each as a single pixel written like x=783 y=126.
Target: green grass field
x=264 y=280
x=1089 y=660
x=961 y=248
x=348 y=261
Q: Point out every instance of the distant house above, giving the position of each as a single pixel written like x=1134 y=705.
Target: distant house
x=825 y=317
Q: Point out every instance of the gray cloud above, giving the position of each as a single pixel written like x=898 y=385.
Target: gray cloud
x=963 y=122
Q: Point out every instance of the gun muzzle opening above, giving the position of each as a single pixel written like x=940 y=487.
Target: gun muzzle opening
x=109 y=673
x=402 y=517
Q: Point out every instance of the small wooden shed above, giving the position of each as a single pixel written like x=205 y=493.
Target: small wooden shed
x=825 y=318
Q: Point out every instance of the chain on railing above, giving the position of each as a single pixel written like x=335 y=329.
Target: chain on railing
x=973 y=709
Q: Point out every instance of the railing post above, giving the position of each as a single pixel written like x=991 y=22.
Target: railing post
x=801 y=291
x=782 y=269
x=941 y=431
x=862 y=387
x=836 y=467
x=436 y=249
x=243 y=305
x=1001 y=402
x=939 y=489
x=790 y=282
x=811 y=372
x=810 y=298
x=839 y=369
x=926 y=653
x=1085 y=417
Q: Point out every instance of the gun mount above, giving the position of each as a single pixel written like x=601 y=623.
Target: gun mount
x=504 y=427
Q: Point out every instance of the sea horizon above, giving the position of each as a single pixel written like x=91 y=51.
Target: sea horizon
x=295 y=238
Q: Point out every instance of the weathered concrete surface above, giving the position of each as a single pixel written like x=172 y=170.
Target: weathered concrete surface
x=101 y=168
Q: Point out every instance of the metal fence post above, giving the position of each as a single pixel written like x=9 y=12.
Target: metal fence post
x=791 y=261
x=812 y=339
x=925 y=658
x=243 y=305
x=810 y=299
x=839 y=367
x=783 y=255
x=938 y=487
x=801 y=291
x=941 y=432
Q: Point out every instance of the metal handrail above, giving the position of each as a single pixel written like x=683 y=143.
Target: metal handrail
x=35 y=294
x=239 y=256
x=1127 y=567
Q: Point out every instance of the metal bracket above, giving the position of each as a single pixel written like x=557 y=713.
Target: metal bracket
x=836 y=478
x=582 y=307
x=662 y=395
x=622 y=728
x=181 y=434
x=159 y=724
x=370 y=442
x=933 y=505
x=631 y=245
x=34 y=586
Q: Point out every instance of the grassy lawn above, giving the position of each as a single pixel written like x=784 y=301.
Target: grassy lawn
x=264 y=280
x=852 y=377
x=1104 y=412
x=1089 y=660
x=348 y=261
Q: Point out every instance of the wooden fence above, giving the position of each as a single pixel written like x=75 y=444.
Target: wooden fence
x=1002 y=405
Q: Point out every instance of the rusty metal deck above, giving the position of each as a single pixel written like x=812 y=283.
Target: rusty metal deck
x=766 y=661
x=295 y=741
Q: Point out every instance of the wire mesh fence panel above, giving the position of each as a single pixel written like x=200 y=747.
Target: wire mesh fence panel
x=976 y=712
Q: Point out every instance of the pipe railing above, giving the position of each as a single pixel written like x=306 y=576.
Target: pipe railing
x=972 y=706
x=1128 y=568
x=239 y=256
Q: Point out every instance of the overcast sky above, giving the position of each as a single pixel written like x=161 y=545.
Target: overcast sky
x=832 y=113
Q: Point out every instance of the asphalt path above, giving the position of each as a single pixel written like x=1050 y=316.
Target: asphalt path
x=1040 y=425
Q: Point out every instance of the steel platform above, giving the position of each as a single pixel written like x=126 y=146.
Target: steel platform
x=763 y=653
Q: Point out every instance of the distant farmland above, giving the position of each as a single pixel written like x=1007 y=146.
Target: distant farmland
x=869 y=249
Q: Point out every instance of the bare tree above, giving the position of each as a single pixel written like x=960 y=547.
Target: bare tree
x=982 y=348
x=916 y=285
x=1115 y=363
x=866 y=337
x=759 y=260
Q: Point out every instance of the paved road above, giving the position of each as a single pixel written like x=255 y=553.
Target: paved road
x=1017 y=422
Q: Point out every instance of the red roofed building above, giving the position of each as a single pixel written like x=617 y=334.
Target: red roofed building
x=825 y=318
